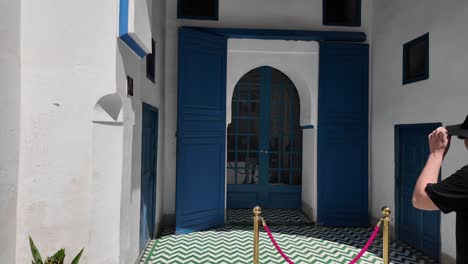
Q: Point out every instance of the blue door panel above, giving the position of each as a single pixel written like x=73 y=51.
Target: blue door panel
x=342 y=161
x=201 y=131
x=418 y=228
x=148 y=174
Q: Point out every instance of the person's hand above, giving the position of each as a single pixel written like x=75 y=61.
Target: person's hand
x=439 y=141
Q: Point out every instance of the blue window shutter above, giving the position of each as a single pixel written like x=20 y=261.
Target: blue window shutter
x=342 y=161
x=201 y=131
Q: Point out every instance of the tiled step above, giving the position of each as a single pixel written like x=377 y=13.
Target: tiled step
x=274 y=217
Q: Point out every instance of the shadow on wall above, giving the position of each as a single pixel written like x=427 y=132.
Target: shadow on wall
x=108 y=109
x=129 y=64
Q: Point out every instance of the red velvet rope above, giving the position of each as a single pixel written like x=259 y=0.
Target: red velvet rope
x=276 y=245
x=363 y=250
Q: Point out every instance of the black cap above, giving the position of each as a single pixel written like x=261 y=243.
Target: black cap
x=460 y=130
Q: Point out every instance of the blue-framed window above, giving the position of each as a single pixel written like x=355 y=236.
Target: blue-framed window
x=150 y=62
x=198 y=9
x=342 y=13
x=416 y=60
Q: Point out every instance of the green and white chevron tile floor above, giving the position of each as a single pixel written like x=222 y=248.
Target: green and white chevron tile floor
x=302 y=243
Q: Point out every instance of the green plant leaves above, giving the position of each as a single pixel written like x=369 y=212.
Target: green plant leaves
x=77 y=258
x=37 y=259
x=57 y=258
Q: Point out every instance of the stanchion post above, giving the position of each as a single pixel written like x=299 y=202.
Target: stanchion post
x=386 y=235
x=256 y=254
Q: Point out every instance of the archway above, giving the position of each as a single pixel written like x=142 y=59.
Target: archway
x=264 y=142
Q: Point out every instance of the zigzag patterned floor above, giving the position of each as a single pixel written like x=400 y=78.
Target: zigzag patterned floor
x=303 y=244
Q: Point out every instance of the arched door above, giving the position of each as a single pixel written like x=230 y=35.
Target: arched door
x=264 y=142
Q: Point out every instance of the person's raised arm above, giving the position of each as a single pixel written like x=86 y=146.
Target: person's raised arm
x=439 y=143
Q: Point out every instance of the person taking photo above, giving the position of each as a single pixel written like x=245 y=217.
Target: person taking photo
x=450 y=194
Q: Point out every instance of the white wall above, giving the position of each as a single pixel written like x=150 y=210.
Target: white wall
x=9 y=130
x=299 y=61
x=276 y=14
x=441 y=98
x=67 y=64
x=105 y=196
x=309 y=173
x=128 y=63
x=139 y=22
x=72 y=193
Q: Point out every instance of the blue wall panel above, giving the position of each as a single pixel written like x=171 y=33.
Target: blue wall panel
x=342 y=161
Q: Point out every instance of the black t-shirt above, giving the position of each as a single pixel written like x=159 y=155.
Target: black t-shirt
x=451 y=195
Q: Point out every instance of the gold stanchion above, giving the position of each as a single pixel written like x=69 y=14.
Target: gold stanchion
x=256 y=254
x=386 y=235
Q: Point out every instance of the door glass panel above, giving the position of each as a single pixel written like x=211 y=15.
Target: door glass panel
x=274 y=176
x=282 y=148
x=285 y=175
x=243 y=132
x=274 y=161
x=285 y=132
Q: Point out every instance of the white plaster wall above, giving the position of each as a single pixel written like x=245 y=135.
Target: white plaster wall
x=144 y=91
x=106 y=179
x=139 y=22
x=299 y=61
x=309 y=173
x=441 y=98
x=9 y=130
x=271 y=14
x=67 y=64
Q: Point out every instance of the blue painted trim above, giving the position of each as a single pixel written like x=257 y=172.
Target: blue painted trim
x=123 y=30
x=397 y=131
x=133 y=45
x=123 y=17
x=307 y=127
x=281 y=34
x=422 y=39
x=326 y=23
x=214 y=18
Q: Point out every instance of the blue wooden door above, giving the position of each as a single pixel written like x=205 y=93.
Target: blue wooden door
x=201 y=131
x=420 y=229
x=342 y=151
x=149 y=147
x=264 y=140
